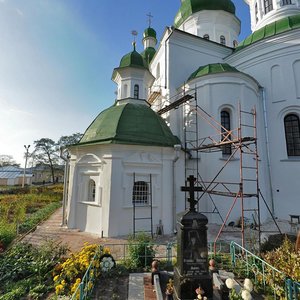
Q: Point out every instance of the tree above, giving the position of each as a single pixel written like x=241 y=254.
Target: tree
x=45 y=153
x=68 y=140
x=7 y=160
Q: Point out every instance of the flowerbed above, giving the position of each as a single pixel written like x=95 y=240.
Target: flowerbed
x=23 y=211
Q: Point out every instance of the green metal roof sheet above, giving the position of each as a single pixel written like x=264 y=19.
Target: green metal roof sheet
x=212 y=69
x=148 y=54
x=189 y=7
x=131 y=124
x=277 y=27
x=149 y=32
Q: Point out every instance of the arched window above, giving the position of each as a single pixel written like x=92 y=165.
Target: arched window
x=140 y=193
x=292 y=134
x=256 y=12
x=92 y=191
x=206 y=36
x=225 y=122
x=222 y=40
x=268 y=5
x=125 y=91
x=136 y=91
x=158 y=70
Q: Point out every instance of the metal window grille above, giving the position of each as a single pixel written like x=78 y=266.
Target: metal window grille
x=140 y=195
x=225 y=122
x=268 y=5
x=292 y=134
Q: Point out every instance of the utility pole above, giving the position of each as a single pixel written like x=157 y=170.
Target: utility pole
x=26 y=157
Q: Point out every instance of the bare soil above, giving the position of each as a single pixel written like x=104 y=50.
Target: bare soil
x=109 y=288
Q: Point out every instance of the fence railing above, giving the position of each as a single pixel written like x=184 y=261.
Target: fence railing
x=86 y=286
x=264 y=274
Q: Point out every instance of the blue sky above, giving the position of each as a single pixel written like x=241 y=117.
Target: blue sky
x=57 y=57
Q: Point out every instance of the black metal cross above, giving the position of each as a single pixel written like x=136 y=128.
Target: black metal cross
x=192 y=189
x=149 y=18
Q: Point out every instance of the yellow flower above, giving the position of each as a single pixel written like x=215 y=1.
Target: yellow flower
x=58 y=289
x=106 y=250
x=55 y=278
x=63 y=282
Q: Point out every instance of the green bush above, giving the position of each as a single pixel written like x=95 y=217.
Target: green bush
x=7 y=234
x=27 y=271
x=141 y=252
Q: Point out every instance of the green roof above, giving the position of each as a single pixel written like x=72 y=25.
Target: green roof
x=149 y=32
x=189 y=7
x=277 y=27
x=212 y=69
x=131 y=124
x=148 y=54
x=132 y=59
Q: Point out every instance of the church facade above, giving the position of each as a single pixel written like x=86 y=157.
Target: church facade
x=196 y=103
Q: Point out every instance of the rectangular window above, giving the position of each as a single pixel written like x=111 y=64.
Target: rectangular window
x=268 y=6
x=225 y=122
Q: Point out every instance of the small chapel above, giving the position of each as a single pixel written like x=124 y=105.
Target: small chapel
x=200 y=103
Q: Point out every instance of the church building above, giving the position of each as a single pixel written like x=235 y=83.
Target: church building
x=197 y=103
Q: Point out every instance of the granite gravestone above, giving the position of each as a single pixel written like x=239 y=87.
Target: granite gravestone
x=191 y=271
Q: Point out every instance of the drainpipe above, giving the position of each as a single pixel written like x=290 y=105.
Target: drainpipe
x=66 y=179
x=263 y=94
x=177 y=148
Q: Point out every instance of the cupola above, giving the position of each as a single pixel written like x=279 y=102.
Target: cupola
x=132 y=77
x=264 y=12
x=210 y=19
x=149 y=42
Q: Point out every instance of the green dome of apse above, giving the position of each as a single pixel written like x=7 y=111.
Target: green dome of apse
x=189 y=7
x=148 y=54
x=212 y=69
x=131 y=124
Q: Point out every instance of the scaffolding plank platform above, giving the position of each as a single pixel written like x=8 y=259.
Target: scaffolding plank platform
x=175 y=104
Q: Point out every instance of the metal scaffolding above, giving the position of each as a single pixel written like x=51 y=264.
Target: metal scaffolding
x=242 y=142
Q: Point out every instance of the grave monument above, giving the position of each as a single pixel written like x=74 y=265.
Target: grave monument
x=191 y=271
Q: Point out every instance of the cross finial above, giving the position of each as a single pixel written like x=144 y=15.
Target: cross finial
x=134 y=34
x=149 y=18
x=191 y=190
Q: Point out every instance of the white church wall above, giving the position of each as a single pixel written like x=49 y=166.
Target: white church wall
x=215 y=93
x=273 y=62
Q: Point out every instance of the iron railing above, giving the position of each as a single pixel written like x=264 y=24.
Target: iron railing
x=86 y=286
x=264 y=274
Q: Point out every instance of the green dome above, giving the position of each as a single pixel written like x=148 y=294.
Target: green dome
x=148 y=54
x=189 y=7
x=149 y=32
x=133 y=59
x=131 y=124
x=212 y=69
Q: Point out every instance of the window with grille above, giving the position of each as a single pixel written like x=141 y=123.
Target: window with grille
x=136 y=91
x=206 y=36
x=222 y=40
x=268 y=5
x=292 y=134
x=225 y=122
x=140 y=194
x=92 y=191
